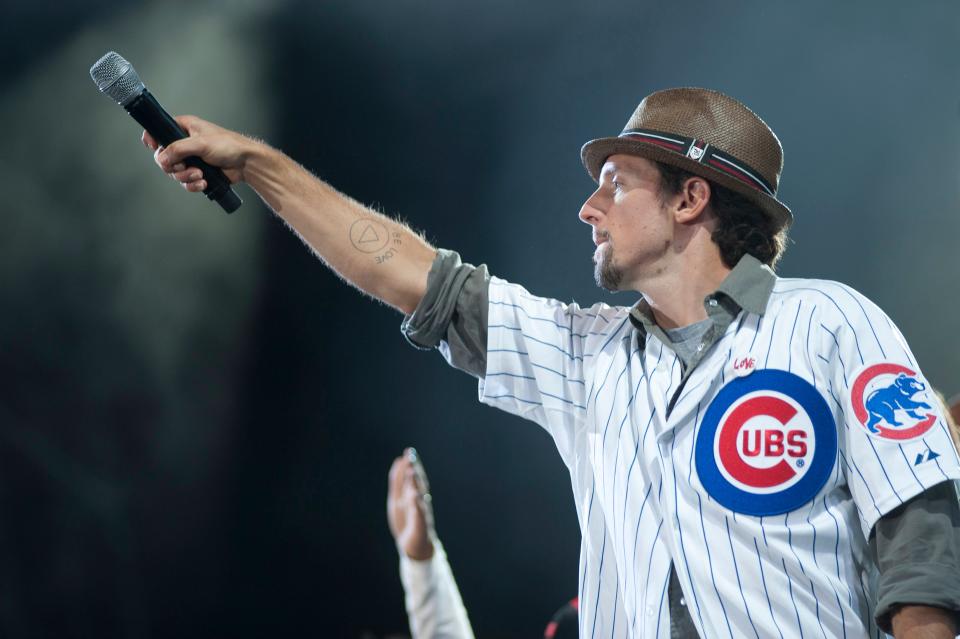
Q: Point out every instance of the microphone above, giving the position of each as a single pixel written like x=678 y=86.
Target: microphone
x=116 y=78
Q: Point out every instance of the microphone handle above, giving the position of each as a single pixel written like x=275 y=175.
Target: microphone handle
x=147 y=111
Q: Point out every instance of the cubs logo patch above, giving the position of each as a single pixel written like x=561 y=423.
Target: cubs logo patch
x=767 y=443
x=888 y=401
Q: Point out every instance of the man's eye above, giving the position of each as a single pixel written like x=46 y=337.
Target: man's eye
x=616 y=185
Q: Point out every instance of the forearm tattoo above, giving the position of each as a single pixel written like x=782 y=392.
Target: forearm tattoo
x=371 y=236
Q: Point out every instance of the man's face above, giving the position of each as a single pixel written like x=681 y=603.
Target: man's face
x=632 y=227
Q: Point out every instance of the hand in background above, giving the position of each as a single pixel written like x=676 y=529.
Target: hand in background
x=409 y=511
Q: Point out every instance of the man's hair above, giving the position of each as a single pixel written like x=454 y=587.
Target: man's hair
x=742 y=226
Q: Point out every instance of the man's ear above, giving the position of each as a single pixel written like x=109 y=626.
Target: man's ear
x=694 y=197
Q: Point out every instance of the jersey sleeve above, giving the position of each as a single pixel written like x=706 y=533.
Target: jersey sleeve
x=894 y=442
x=537 y=358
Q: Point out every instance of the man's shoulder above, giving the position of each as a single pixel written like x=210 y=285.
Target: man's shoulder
x=513 y=297
x=835 y=302
x=830 y=291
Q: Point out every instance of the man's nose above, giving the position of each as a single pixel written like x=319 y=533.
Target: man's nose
x=591 y=212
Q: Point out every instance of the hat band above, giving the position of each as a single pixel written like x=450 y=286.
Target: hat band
x=701 y=152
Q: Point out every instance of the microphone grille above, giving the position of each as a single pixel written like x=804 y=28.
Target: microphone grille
x=116 y=78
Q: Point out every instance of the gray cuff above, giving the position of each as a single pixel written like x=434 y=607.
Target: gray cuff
x=917 y=547
x=453 y=313
x=427 y=325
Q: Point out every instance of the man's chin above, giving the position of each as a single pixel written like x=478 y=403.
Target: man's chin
x=607 y=277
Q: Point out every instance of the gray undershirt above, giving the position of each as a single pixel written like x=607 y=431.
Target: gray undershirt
x=688 y=343
x=687 y=340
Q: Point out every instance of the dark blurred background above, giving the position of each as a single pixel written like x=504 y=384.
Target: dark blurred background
x=197 y=418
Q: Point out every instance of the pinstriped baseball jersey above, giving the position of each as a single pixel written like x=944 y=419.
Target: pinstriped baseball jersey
x=760 y=479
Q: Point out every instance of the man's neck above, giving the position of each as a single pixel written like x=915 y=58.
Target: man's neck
x=676 y=297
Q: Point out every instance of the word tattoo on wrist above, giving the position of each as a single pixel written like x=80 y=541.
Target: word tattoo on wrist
x=395 y=243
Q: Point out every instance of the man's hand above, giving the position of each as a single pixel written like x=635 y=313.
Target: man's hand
x=923 y=622
x=217 y=146
x=409 y=511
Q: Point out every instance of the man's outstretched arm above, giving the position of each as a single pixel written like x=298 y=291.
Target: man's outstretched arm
x=378 y=255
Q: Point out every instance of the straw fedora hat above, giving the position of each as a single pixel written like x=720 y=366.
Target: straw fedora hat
x=707 y=133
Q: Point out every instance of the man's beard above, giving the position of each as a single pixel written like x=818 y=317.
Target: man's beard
x=605 y=272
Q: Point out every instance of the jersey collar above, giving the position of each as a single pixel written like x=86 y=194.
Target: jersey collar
x=747 y=287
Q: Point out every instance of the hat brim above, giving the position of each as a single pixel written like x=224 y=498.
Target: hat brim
x=595 y=152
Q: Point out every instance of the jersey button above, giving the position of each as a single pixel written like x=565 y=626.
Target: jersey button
x=650 y=611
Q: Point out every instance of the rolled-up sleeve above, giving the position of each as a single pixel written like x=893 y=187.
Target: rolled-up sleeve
x=917 y=548
x=452 y=316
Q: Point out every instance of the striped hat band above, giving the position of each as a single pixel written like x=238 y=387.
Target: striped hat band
x=704 y=153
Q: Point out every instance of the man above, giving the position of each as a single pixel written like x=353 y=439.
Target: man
x=750 y=456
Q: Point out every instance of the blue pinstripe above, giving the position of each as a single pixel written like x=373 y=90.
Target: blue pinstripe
x=646 y=586
x=633 y=561
x=556 y=372
x=766 y=593
x=792 y=600
x=586 y=526
x=773 y=331
x=790 y=341
x=626 y=415
x=540 y=341
x=663 y=594
x=836 y=553
x=517 y=328
x=596 y=604
x=616 y=596
x=816 y=602
x=736 y=570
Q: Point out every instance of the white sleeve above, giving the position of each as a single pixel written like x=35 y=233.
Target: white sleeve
x=894 y=441
x=539 y=355
x=432 y=599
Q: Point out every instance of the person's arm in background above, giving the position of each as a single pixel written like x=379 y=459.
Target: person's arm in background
x=433 y=602
x=378 y=255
